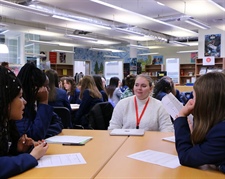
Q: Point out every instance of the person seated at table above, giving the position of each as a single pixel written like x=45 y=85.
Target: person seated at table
x=17 y=154
x=89 y=95
x=165 y=86
x=39 y=121
x=113 y=90
x=207 y=140
x=129 y=81
x=141 y=110
x=57 y=97
x=72 y=91
x=99 y=84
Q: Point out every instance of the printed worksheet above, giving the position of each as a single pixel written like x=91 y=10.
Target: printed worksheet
x=158 y=158
x=61 y=160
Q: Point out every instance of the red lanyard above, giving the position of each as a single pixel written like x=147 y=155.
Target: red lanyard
x=138 y=119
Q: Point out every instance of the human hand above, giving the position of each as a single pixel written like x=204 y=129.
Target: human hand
x=187 y=109
x=39 y=150
x=42 y=95
x=24 y=143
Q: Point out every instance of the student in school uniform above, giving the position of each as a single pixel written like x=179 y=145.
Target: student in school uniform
x=99 y=84
x=164 y=86
x=206 y=143
x=39 y=121
x=72 y=91
x=57 y=97
x=17 y=154
x=89 y=95
x=141 y=111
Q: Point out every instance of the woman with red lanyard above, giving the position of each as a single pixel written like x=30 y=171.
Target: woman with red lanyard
x=141 y=111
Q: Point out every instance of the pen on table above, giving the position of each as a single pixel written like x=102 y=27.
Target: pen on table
x=73 y=144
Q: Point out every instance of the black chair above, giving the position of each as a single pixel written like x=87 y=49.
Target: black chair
x=100 y=115
x=65 y=115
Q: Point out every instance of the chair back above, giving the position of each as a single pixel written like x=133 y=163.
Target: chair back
x=65 y=115
x=100 y=115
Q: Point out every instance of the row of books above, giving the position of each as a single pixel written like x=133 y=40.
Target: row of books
x=205 y=70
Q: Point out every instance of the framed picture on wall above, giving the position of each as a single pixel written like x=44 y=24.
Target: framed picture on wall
x=212 y=45
x=157 y=60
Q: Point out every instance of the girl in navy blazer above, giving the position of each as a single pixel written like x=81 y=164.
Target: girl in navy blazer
x=13 y=156
x=206 y=143
x=89 y=95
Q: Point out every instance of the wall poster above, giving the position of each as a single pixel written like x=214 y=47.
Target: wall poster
x=212 y=45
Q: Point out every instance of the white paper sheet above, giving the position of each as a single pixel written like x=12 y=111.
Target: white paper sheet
x=61 y=160
x=68 y=139
x=173 y=106
x=155 y=157
x=170 y=139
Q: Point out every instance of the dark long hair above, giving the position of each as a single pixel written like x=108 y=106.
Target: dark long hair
x=113 y=84
x=209 y=104
x=163 y=85
x=32 y=79
x=10 y=87
x=53 y=80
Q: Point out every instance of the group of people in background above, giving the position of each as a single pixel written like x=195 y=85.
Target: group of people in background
x=27 y=116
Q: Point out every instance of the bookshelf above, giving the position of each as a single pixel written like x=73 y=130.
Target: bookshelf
x=63 y=69
x=200 y=69
x=151 y=70
x=187 y=71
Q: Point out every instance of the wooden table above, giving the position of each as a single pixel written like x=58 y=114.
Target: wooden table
x=120 y=166
x=96 y=152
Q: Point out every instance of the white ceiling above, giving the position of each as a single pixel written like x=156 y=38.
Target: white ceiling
x=144 y=16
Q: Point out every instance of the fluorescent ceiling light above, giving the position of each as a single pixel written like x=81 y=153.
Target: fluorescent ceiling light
x=44 y=42
x=110 y=56
x=24 y=8
x=63 y=51
x=100 y=49
x=82 y=37
x=80 y=19
x=178 y=43
x=4 y=31
x=159 y=3
x=187 y=51
x=127 y=31
x=35 y=54
x=143 y=16
x=197 y=23
x=4 y=48
x=153 y=53
x=137 y=46
x=217 y=5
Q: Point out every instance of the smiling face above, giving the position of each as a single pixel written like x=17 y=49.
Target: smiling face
x=142 y=89
x=16 y=107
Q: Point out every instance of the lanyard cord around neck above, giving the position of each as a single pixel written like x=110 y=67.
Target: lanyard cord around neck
x=138 y=119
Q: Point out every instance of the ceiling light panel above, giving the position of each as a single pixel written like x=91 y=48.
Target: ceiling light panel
x=146 y=21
